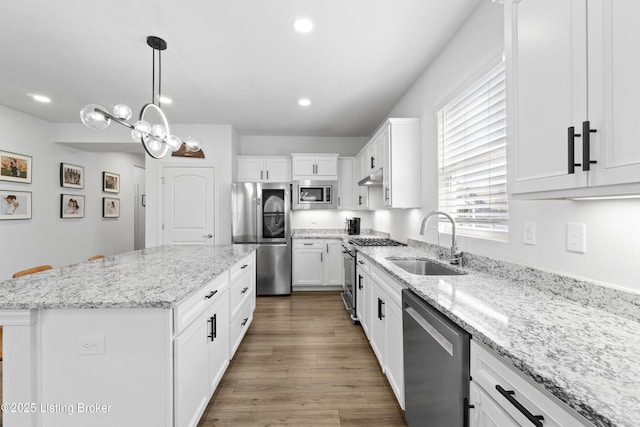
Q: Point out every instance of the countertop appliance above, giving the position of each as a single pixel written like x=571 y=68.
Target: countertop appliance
x=436 y=366
x=353 y=226
x=349 y=265
x=315 y=195
x=261 y=214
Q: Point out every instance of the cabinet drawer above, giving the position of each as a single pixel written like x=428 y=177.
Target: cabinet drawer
x=241 y=288
x=244 y=265
x=387 y=283
x=307 y=244
x=490 y=372
x=188 y=310
x=362 y=263
x=240 y=324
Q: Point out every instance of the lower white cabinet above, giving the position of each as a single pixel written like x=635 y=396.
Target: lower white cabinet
x=363 y=306
x=502 y=396
x=317 y=262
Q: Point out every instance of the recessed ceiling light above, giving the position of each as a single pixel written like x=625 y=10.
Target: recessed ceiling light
x=303 y=25
x=165 y=100
x=304 y=102
x=41 y=98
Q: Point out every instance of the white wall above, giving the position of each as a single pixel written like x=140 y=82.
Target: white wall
x=217 y=144
x=46 y=238
x=284 y=145
x=613 y=227
x=326 y=218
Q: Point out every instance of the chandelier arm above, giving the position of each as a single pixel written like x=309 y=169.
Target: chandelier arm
x=114 y=118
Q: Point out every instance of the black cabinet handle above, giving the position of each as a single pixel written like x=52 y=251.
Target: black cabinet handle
x=373 y=162
x=211 y=294
x=360 y=262
x=359 y=200
x=386 y=194
x=380 y=304
x=536 y=420
x=586 y=146
x=244 y=266
x=571 y=142
x=244 y=322
x=245 y=290
x=359 y=282
x=213 y=328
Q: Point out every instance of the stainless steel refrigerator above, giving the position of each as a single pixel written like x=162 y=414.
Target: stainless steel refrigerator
x=261 y=213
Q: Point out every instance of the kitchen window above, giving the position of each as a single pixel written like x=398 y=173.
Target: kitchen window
x=472 y=163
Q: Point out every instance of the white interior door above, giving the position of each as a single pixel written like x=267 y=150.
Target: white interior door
x=138 y=211
x=188 y=205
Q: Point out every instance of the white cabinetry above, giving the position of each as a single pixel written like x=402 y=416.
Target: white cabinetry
x=346 y=183
x=314 y=167
x=242 y=299
x=385 y=328
x=581 y=76
x=363 y=294
x=502 y=396
x=201 y=349
x=317 y=262
x=264 y=169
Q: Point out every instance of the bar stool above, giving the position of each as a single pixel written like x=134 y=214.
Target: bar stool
x=95 y=257
x=20 y=274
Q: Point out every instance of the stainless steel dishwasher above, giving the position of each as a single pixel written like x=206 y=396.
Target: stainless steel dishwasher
x=436 y=366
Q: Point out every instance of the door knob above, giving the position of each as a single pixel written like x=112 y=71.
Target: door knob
x=208 y=236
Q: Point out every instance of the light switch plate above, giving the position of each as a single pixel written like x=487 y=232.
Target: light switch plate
x=529 y=237
x=576 y=238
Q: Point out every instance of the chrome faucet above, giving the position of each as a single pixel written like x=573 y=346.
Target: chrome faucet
x=456 y=255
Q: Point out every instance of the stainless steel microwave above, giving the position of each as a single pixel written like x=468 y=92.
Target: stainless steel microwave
x=315 y=195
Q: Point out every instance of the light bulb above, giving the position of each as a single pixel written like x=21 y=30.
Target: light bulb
x=143 y=127
x=154 y=144
x=174 y=142
x=121 y=111
x=192 y=144
x=94 y=119
x=159 y=132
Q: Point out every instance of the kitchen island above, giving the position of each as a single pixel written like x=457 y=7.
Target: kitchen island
x=577 y=341
x=108 y=342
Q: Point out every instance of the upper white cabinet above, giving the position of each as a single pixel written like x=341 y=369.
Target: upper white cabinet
x=573 y=92
x=346 y=183
x=264 y=169
x=314 y=167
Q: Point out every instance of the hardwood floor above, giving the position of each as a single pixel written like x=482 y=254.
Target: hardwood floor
x=303 y=363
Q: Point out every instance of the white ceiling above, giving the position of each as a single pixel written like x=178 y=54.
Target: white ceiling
x=231 y=61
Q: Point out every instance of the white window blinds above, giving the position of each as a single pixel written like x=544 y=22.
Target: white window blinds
x=472 y=164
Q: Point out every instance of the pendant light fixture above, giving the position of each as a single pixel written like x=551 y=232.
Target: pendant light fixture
x=156 y=138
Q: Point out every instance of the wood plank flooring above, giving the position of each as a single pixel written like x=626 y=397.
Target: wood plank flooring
x=303 y=363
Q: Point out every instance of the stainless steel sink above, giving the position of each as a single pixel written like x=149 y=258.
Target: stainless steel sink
x=425 y=267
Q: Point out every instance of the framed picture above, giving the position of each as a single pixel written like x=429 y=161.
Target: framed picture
x=15 y=204
x=110 y=207
x=71 y=176
x=110 y=182
x=15 y=167
x=71 y=206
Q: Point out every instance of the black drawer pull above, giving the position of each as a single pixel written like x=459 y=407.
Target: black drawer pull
x=536 y=420
x=245 y=290
x=586 y=146
x=211 y=294
x=571 y=142
x=360 y=262
x=380 y=304
x=213 y=328
x=244 y=322
x=359 y=282
x=244 y=266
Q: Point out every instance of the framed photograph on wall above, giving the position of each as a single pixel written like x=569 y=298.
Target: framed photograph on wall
x=15 y=167
x=71 y=176
x=110 y=182
x=110 y=207
x=71 y=206
x=15 y=204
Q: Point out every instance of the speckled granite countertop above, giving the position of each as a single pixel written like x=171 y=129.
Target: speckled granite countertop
x=586 y=356
x=157 y=277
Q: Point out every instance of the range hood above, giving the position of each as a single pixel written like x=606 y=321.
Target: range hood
x=374 y=179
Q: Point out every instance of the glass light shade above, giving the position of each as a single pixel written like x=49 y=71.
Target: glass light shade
x=142 y=127
x=135 y=135
x=154 y=144
x=174 y=142
x=192 y=144
x=122 y=111
x=159 y=132
x=94 y=119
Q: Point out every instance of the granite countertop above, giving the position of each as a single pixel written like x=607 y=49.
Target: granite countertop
x=585 y=356
x=157 y=277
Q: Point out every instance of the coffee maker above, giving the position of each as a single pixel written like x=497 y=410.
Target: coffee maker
x=353 y=226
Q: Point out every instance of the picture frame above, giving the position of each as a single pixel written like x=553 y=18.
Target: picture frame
x=72 y=206
x=110 y=182
x=15 y=167
x=110 y=207
x=71 y=176
x=15 y=204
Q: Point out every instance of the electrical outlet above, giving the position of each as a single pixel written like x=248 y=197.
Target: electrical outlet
x=529 y=237
x=91 y=344
x=576 y=238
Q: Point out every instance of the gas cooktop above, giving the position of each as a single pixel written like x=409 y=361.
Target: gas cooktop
x=374 y=241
